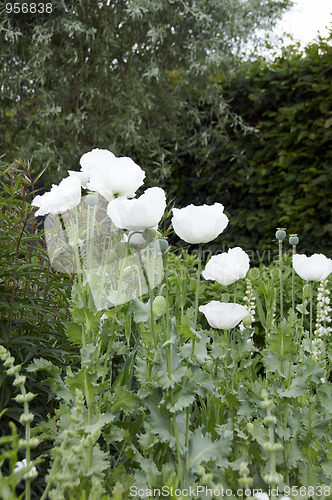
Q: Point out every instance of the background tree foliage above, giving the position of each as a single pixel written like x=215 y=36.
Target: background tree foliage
x=133 y=76
x=279 y=173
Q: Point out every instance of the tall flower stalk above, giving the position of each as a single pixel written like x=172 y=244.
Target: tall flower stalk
x=281 y=235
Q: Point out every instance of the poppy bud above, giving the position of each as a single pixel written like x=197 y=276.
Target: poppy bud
x=247 y=320
x=159 y=306
x=149 y=234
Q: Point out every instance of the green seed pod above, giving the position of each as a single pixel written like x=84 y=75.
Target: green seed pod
x=225 y=298
x=244 y=471
x=280 y=234
x=268 y=446
x=161 y=245
x=270 y=420
x=267 y=403
x=149 y=235
x=92 y=199
x=293 y=240
x=306 y=291
x=159 y=306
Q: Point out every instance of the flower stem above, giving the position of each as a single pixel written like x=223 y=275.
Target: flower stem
x=310 y=331
x=293 y=280
x=280 y=276
x=199 y=267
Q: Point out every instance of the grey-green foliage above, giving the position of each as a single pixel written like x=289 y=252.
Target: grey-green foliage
x=128 y=75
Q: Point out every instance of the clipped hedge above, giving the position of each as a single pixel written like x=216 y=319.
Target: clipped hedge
x=279 y=173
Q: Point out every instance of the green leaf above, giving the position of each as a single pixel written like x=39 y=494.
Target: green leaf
x=203 y=449
x=41 y=364
x=124 y=400
x=74 y=332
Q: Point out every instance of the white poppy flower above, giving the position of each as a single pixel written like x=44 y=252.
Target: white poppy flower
x=260 y=495
x=138 y=214
x=223 y=315
x=314 y=268
x=111 y=176
x=199 y=224
x=97 y=158
x=227 y=267
x=63 y=197
x=82 y=176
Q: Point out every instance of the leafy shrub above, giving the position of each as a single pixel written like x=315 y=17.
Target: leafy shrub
x=279 y=172
x=33 y=298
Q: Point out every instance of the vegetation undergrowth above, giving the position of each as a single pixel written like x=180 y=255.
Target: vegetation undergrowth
x=142 y=393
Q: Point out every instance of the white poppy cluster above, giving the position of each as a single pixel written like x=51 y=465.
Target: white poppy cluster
x=117 y=180
x=202 y=224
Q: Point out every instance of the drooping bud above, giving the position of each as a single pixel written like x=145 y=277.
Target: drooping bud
x=159 y=306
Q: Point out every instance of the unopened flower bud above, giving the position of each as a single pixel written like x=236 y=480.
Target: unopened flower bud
x=306 y=291
x=247 y=320
x=149 y=235
x=13 y=369
x=128 y=271
x=19 y=380
x=280 y=234
x=159 y=306
x=9 y=361
x=26 y=419
x=110 y=256
x=250 y=427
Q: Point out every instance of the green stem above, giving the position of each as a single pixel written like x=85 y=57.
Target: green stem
x=280 y=277
x=310 y=331
x=293 y=280
x=199 y=267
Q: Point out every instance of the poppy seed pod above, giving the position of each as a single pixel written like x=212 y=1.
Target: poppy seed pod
x=294 y=240
x=280 y=234
x=92 y=199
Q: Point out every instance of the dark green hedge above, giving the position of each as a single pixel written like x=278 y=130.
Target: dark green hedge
x=279 y=173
